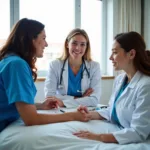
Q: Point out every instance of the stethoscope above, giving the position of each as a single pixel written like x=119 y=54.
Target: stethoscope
x=62 y=69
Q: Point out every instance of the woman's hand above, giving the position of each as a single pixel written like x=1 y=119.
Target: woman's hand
x=78 y=116
x=47 y=104
x=94 y=115
x=107 y=138
x=83 y=109
x=88 y=92
x=50 y=103
x=87 y=135
x=56 y=101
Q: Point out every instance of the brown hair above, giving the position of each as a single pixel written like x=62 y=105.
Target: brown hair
x=133 y=40
x=74 y=32
x=20 y=42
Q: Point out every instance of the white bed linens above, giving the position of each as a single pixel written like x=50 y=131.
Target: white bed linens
x=58 y=136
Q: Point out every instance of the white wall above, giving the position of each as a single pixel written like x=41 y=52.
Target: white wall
x=106 y=91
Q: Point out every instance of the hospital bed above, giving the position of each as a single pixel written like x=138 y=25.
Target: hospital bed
x=59 y=136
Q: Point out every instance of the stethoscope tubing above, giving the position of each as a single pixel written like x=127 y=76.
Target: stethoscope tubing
x=62 y=69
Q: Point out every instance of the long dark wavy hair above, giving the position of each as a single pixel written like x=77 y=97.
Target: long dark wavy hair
x=133 y=40
x=20 y=42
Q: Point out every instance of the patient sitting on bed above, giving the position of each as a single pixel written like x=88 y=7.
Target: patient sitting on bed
x=130 y=100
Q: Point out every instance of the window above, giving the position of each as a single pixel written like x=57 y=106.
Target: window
x=57 y=15
x=91 y=21
x=60 y=17
x=5 y=20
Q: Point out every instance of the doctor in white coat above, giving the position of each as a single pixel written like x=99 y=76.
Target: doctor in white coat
x=74 y=79
x=129 y=106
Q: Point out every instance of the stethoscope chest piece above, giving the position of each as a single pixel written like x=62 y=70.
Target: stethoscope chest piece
x=60 y=86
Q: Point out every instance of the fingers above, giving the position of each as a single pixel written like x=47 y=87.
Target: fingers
x=87 y=117
x=88 y=92
x=83 y=109
x=59 y=101
x=86 y=109
x=51 y=98
x=54 y=104
x=51 y=102
x=84 y=116
x=82 y=134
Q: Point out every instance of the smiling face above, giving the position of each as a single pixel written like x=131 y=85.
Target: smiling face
x=77 y=46
x=121 y=60
x=40 y=43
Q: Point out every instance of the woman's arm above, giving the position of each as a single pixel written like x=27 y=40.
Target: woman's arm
x=94 y=115
x=46 y=105
x=30 y=116
x=106 y=138
x=92 y=97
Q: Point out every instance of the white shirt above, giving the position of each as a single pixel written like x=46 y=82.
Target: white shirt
x=52 y=84
x=132 y=108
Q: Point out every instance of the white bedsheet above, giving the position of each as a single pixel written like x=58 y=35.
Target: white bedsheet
x=58 y=136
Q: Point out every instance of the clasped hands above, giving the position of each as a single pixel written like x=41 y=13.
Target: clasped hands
x=87 y=134
x=82 y=114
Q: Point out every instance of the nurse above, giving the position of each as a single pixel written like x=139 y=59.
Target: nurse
x=129 y=106
x=74 y=79
x=24 y=45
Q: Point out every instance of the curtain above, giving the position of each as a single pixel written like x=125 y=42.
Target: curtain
x=126 y=17
x=119 y=16
x=128 y=14
x=146 y=22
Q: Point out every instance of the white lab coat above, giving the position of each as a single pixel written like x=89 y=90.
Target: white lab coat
x=53 y=78
x=132 y=108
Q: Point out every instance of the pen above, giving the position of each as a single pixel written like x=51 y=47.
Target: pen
x=60 y=109
x=91 y=109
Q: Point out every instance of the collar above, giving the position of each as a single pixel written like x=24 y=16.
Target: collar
x=134 y=80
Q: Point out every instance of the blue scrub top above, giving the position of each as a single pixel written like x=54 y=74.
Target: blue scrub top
x=114 y=114
x=74 y=82
x=16 y=85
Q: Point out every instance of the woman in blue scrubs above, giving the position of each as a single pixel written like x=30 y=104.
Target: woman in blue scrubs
x=25 y=43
